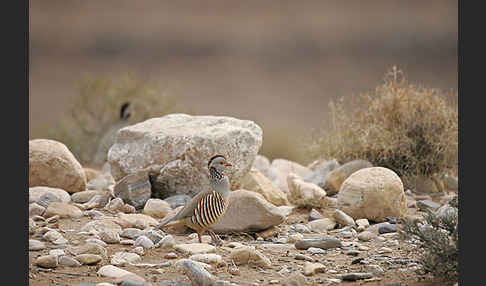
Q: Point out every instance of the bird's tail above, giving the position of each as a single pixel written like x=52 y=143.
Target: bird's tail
x=162 y=224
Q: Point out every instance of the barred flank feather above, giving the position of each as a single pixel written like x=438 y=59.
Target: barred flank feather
x=209 y=210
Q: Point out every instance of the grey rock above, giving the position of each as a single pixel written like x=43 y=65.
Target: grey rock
x=424 y=205
x=35 y=194
x=167 y=242
x=177 y=200
x=319 y=175
x=93 y=213
x=131 y=233
x=134 y=283
x=65 y=260
x=97 y=241
x=134 y=188
x=366 y=235
x=84 y=196
x=153 y=235
x=387 y=228
x=122 y=258
x=446 y=210
x=314 y=215
x=262 y=164
x=299 y=256
x=115 y=205
x=196 y=273
x=300 y=228
x=315 y=250
x=375 y=227
x=144 y=241
x=355 y=276
x=110 y=236
x=46 y=199
x=324 y=242
x=35 y=245
x=36 y=210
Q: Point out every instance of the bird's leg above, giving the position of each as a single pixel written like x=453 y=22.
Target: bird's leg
x=199 y=237
x=214 y=237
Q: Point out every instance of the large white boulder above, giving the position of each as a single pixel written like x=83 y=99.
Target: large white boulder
x=372 y=193
x=177 y=148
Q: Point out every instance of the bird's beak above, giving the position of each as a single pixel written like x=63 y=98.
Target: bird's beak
x=228 y=165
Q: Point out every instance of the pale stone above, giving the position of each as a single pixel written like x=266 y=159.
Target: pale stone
x=157 y=208
x=322 y=225
x=209 y=258
x=88 y=258
x=196 y=272
x=373 y=193
x=140 y=221
x=100 y=225
x=366 y=235
x=85 y=196
x=122 y=258
x=248 y=211
x=36 y=193
x=52 y=164
x=313 y=268
x=194 y=248
x=305 y=194
x=255 y=181
x=112 y=271
x=362 y=222
x=63 y=210
x=47 y=261
x=35 y=245
x=281 y=168
x=336 y=177
x=343 y=219
x=249 y=255
x=110 y=236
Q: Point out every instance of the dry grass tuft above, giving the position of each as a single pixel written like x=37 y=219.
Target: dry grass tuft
x=94 y=113
x=410 y=129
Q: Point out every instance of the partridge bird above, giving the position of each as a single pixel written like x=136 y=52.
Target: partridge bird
x=207 y=207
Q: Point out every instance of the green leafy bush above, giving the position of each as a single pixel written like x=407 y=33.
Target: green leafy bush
x=410 y=129
x=94 y=113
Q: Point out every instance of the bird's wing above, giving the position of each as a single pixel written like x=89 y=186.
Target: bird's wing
x=189 y=208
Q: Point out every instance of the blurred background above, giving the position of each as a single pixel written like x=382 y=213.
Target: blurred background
x=278 y=63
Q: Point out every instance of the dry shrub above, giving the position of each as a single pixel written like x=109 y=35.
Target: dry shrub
x=438 y=238
x=410 y=129
x=94 y=112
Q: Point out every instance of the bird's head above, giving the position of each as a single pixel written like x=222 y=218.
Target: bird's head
x=219 y=162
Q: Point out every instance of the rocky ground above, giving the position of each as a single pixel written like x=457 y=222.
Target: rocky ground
x=286 y=224
x=382 y=260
